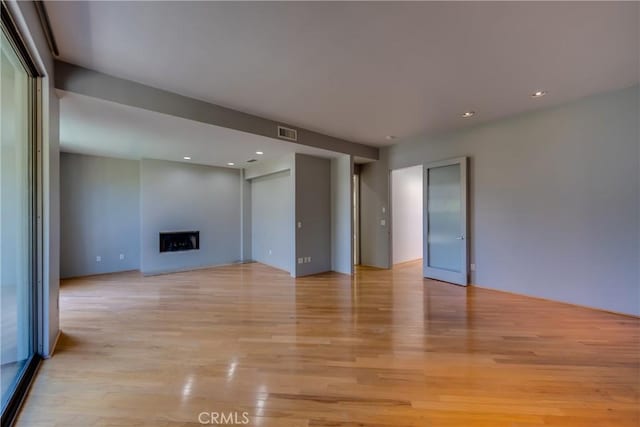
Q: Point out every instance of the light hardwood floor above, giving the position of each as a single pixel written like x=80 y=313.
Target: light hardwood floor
x=384 y=349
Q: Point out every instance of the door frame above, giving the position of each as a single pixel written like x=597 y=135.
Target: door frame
x=458 y=278
x=36 y=135
x=356 y=215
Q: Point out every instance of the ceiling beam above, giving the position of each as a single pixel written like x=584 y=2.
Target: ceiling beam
x=73 y=78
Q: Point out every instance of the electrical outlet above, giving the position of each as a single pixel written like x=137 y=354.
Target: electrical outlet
x=299 y=224
x=270 y=252
x=98 y=258
x=473 y=267
x=121 y=256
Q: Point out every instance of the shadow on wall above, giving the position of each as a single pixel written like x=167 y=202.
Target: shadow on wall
x=272 y=218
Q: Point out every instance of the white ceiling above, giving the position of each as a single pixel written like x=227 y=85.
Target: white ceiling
x=360 y=70
x=97 y=127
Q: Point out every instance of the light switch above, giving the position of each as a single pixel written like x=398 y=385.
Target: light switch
x=98 y=258
x=299 y=224
x=300 y=260
x=121 y=256
x=383 y=222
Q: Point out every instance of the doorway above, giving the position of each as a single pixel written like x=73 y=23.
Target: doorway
x=356 y=217
x=407 y=208
x=445 y=221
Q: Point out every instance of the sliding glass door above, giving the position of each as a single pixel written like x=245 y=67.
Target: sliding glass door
x=17 y=220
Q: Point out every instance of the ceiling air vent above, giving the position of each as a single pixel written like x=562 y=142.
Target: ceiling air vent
x=287 y=133
x=251 y=160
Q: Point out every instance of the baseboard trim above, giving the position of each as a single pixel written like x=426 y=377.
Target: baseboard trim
x=411 y=261
x=52 y=350
x=342 y=273
x=588 y=307
x=106 y=273
x=316 y=273
x=184 y=270
x=371 y=267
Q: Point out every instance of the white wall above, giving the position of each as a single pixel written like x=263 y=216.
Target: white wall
x=115 y=206
x=268 y=167
x=406 y=211
x=342 y=214
x=272 y=220
x=178 y=196
x=100 y=215
x=374 y=213
x=313 y=212
x=245 y=199
x=300 y=189
x=554 y=200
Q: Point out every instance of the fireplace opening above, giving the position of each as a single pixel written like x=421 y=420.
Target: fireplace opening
x=179 y=241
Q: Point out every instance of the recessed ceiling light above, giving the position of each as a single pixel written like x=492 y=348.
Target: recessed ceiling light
x=230 y=163
x=468 y=114
x=259 y=152
x=187 y=158
x=390 y=137
x=538 y=94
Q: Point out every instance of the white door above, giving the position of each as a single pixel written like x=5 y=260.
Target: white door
x=445 y=221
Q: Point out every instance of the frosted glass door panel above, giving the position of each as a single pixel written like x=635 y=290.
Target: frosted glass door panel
x=445 y=221
x=444 y=218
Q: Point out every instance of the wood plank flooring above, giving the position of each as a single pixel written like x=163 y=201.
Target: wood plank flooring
x=384 y=349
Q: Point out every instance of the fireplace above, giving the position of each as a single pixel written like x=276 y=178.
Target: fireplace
x=179 y=241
